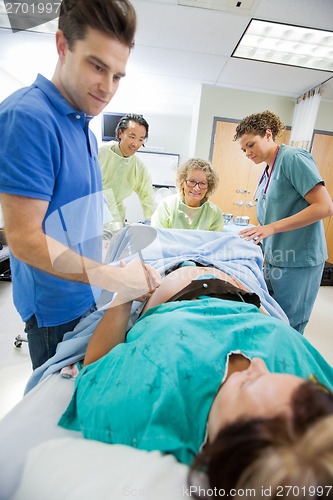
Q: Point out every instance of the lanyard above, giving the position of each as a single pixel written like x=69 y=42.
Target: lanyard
x=263 y=176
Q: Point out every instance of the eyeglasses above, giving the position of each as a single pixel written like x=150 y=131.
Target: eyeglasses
x=191 y=184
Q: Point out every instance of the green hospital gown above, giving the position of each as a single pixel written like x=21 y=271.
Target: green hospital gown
x=172 y=212
x=155 y=390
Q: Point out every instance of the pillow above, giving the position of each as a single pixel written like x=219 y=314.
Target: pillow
x=75 y=469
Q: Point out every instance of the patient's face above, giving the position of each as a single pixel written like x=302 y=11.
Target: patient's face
x=254 y=392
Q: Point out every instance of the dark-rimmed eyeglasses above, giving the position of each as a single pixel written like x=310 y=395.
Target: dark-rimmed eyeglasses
x=191 y=184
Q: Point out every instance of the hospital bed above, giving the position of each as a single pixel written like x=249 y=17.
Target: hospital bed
x=40 y=460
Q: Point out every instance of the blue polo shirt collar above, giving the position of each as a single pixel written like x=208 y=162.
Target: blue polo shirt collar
x=58 y=101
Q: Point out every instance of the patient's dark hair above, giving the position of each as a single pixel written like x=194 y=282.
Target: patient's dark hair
x=273 y=453
x=115 y=18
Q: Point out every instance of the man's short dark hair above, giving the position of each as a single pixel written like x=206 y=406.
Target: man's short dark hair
x=124 y=123
x=115 y=18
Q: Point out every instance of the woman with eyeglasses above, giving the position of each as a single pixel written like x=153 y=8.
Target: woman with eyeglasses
x=190 y=208
x=291 y=200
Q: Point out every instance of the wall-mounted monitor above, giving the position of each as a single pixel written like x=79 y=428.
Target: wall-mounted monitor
x=109 y=124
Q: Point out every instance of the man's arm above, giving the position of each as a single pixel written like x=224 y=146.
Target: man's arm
x=23 y=224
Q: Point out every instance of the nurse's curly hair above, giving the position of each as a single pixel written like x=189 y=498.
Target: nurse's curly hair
x=258 y=123
x=268 y=454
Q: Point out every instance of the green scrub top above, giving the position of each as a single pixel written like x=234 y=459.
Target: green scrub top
x=293 y=176
x=121 y=176
x=155 y=390
x=172 y=212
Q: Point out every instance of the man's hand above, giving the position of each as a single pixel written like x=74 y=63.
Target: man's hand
x=139 y=281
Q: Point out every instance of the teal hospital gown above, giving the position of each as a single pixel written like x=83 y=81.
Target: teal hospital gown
x=155 y=390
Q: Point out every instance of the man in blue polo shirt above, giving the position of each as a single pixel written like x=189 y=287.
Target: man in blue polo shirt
x=50 y=180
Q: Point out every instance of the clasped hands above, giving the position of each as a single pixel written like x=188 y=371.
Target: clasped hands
x=139 y=280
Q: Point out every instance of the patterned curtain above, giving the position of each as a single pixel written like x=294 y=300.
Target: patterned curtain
x=304 y=118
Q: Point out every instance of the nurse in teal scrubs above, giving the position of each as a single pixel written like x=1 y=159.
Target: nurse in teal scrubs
x=291 y=201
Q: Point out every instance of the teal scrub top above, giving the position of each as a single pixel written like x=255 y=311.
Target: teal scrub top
x=154 y=391
x=293 y=176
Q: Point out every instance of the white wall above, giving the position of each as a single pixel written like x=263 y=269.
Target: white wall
x=22 y=56
x=194 y=125
x=175 y=127
x=325 y=116
x=236 y=104
x=25 y=54
x=167 y=133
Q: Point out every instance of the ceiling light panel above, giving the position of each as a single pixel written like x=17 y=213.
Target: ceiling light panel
x=286 y=44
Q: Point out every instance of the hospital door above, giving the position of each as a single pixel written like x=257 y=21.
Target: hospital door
x=322 y=151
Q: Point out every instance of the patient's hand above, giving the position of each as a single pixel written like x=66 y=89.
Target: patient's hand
x=139 y=281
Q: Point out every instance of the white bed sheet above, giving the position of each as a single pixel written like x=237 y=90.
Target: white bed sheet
x=32 y=421
x=39 y=460
x=81 y=469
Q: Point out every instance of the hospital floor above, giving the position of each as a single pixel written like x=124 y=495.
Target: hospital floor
x=15 y=366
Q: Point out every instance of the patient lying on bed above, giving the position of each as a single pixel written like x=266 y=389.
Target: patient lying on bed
x=190 y=372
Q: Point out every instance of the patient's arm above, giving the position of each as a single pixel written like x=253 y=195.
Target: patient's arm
x=110 y=331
